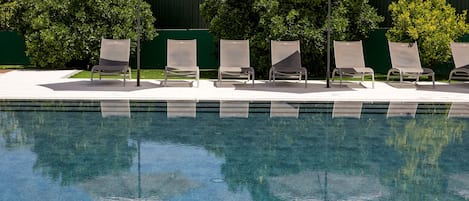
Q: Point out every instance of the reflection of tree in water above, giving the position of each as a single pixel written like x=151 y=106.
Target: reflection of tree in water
x=420 y=142
x=76 y=146
x=258 y=148
x=11 y=135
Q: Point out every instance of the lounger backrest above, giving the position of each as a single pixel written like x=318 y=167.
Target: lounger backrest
x=181 y=53
x=286 y=54
x=234 y=53
x=114 y=52
x=404 y=55
x=460 y=53
x=348 y=54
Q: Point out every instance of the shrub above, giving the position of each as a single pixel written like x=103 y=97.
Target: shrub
x=58 y=32
x=306 y=20
x=434 y=24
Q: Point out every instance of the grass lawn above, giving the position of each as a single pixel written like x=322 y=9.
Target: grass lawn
x=157 y=74
x=11 y=67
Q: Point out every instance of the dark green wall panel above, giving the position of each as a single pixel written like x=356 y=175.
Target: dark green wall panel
x=177 y=14
x=154 y=52
x=376 y=51
x=12 y=49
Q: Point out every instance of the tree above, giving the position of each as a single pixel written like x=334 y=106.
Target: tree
x=263 y=20
x=61 y=32
x=434 y=24
x=7 y=10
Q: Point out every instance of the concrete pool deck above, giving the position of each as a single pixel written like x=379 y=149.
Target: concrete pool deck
x=56 y=84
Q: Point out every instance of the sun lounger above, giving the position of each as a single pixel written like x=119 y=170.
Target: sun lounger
x=113 y=58
x=460 y=52
x=235 y=60
x=405 y=61
x=181 y=59
x=350 y=61
x=286 y=61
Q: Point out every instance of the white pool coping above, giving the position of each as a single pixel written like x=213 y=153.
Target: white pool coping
x=56 y=84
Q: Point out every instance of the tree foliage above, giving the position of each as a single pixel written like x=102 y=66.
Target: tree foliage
x=434 y=24
x=61 y=32
x=306 y=20
x=7 y=10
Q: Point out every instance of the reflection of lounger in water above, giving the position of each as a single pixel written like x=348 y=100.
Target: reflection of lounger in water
x=115 y=108
x=284 y=109
x=181 y=109
x=347 y=109
x=402 y=109
x=238 y=109
x=459 y=110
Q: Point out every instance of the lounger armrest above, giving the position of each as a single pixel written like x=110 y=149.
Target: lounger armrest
x=182 y=68
x=105 y=69
x=288 y=69
x=240 y=69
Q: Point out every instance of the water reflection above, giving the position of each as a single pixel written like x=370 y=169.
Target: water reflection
x=308 y=157
x=420 y=143
x=120 y=108
x=238 y=109
x=347 y=109
x=402 y=109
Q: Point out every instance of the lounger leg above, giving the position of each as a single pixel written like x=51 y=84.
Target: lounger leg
x=306 y=79
x=270 y=75
x=125 y=74
x=373 y=80
x=273 y=78
x=333 y=75
x=92 y=77
x=253 y=78
x=340 y=76
x=450 y=76
x=197 y=77
x=165 y=78
x=433 y=79
x=219 y=79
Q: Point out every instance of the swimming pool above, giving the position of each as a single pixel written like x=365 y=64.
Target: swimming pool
x=233 y=150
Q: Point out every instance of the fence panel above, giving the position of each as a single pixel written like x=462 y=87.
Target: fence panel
x=177 y=14
x=12 y=49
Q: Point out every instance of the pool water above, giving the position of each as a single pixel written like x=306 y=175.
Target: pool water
x=187 y=150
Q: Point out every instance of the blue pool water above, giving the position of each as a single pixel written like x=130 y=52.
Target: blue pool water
x=185 y=150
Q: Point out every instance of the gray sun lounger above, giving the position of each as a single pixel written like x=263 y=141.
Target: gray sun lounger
x=181 y=59
x=235 y=60
x=460 y=52
x=405 y=61
x=350 y=61
x=286 y=61
x=113 y=58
